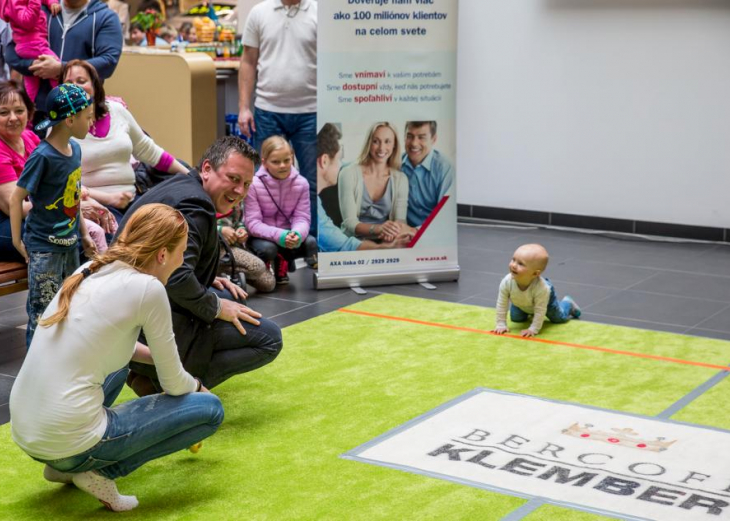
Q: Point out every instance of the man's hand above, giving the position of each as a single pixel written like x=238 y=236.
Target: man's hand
x=235 y=290
x=89 y=246
x=234 y=312
x=291 y=241
x=527 y=333
x=229 y=234
x=241 y=235
x=246 y=123
x=46 y=67
x=55 y=8
x=500 y=330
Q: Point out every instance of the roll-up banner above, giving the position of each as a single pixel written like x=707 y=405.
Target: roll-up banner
x=386 y=109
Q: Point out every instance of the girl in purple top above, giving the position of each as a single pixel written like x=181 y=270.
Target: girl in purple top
x=277 y=210
x=30 y=33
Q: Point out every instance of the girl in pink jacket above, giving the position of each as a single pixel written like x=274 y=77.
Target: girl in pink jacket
x=277 y=210
x=30 y=33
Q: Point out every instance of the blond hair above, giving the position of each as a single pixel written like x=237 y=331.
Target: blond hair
x=272 y=144
x=394 y=159
x=151 y=228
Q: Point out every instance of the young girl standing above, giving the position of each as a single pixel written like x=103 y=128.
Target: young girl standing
x=30 y=32
x=278 y=211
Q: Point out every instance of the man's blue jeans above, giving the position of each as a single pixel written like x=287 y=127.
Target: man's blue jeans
x=557 y=311
x=301 y=131
x=46 y=272
x=144 y=429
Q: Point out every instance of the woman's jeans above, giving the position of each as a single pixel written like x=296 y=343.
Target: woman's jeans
x=557 y=311
x=144 y=429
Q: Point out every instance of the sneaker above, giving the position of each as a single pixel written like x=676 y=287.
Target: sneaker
x=281 y=270
x=312 y=261
x=574 y=309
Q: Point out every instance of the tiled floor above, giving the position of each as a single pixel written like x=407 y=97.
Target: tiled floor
x=666 y=286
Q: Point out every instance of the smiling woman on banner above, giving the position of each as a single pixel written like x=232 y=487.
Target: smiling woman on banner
x=373 y=192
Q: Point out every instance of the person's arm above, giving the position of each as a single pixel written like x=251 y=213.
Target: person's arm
x=15 y=62
x=346 y=186
x=246 y=84
x=447 y=177
x=16 y=219
x=108 y=46
x=142 y=354
x=183 y=287
x=302 y=216
x=6 y=190
x=400 y=204
x=86 y=241
x=502 y=305
x=156 y=319
x=541 y=299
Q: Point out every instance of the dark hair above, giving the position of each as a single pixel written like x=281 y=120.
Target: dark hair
x=100 y=109
x=149 y=4
x=135 y=25
x=328 y=140
x=185 y=27
x=431 y=124
x=218 y=152
x=9 y=89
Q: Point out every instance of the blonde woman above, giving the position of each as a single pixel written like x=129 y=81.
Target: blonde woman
x=373 y=192
x=61 y=402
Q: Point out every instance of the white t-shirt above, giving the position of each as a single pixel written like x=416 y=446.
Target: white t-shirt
x=287 y=68
x=56 y=404
x=105 y=160
x=533 y=301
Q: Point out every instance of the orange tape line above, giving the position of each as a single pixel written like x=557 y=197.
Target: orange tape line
x=540 y=340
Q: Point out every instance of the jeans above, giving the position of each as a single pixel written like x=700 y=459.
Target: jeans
x=144 y=429
x=46 y=272
x=8 y=252
x=235 y=353
x=267 y=250
x=558 y=312
x=301 y=131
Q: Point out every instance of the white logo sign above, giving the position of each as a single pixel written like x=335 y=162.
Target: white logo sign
x=572 y=455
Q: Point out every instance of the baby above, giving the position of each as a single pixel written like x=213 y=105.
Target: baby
x=531 y=294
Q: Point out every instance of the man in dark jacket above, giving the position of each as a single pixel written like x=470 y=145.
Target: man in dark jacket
x=84 y=30
x=217 y=335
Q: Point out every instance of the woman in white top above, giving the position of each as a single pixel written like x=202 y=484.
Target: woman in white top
x=114 y=138
x=373 y=192
x=61 y=403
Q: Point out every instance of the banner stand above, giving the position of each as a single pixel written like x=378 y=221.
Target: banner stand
x=343 y=280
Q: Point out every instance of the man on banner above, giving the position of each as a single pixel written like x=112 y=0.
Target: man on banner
x=430 y=174
x=280 y=60
x=329 y=160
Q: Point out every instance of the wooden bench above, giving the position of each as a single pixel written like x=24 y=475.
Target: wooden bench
x=13 y=277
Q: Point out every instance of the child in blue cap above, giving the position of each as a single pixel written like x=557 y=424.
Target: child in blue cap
x=52 y=179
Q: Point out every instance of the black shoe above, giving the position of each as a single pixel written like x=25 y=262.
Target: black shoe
x=312 y=261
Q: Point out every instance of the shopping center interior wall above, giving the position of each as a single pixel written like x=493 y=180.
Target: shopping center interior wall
x=611 y=108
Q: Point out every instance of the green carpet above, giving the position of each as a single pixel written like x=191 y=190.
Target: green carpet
x=344 y=379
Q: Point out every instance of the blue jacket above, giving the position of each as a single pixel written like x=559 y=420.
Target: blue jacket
x=95 y=36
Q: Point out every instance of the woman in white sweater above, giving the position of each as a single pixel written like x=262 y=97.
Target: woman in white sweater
x=61 y=403
x=114 y=138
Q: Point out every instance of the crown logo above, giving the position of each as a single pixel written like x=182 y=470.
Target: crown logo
x=624 y=437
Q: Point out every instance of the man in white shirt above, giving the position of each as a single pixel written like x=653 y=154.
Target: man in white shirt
x=280 y=61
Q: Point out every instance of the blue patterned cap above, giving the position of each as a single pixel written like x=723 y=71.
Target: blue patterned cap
x=63 y=102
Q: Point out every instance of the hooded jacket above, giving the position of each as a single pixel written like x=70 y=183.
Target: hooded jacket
x=95 y=36
x=284 y=206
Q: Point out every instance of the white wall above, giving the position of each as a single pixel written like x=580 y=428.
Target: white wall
x=611 y=108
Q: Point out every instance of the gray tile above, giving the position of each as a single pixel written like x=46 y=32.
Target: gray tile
x=319 y=308
x=270 y=307
x=708 y=287
x=627 y=322
x=6 y=383
x=12 y=366
x=484 y=260
x=660 y=309
x=596 y=273
x=719 y=322
x=709 y=333
x=4 y=414
x=13 y=316
x=12 y=341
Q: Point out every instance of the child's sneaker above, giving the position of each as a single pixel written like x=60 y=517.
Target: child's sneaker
x=281 y=270
x=574 y=309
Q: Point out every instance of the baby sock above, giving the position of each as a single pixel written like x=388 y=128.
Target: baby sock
x=105 y=490
x=57 y=476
